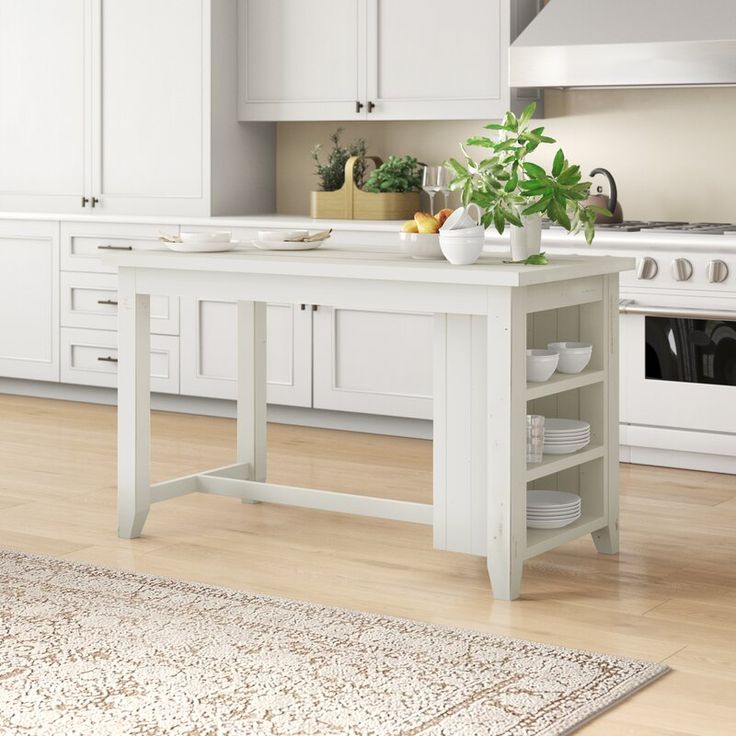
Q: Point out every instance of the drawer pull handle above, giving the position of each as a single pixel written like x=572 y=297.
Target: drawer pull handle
x=107 y=359
x=107 y=301
x=114 y=247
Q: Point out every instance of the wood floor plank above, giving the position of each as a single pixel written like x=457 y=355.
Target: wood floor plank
x=670 y=595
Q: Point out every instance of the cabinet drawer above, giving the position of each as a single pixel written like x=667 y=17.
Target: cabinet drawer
x=82 y=243
x=90 y=300
x=89 y=357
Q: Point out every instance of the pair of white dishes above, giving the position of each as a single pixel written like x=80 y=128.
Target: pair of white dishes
x=574 y=356
x=462 y=237
x=284 y=240
x=213 y=242
x=552 y=509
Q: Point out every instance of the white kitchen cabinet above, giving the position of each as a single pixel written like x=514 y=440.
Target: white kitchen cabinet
x=130 y=108
x=90 y=357
x=29 y=300
x=378 y=59
x=208 y=351
x=373 y=362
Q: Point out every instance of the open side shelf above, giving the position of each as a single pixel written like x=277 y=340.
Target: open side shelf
x=542 y=540
x=555 y=463
x=560 y=382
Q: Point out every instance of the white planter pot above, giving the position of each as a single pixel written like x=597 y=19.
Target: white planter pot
x=518 y=243
x=527 y=240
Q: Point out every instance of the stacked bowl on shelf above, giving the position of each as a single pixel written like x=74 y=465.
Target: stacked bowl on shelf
x=563 y=357
x=552 y=509
x=563 y=436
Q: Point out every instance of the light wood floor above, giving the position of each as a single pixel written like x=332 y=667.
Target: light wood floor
x=670 y=595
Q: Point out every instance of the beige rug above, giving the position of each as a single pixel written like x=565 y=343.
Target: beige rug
x=89 y=651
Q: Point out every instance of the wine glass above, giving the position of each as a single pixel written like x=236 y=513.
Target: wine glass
x=436 y=179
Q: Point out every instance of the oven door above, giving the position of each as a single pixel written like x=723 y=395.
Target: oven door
x=678 y=362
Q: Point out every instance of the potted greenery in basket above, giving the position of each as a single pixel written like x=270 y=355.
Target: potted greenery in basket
x=511 y=190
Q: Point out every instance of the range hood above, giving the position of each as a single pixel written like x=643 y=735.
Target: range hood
x=627 y=43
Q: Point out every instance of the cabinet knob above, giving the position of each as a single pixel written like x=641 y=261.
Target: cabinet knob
x=358 y=105
x=84 y=201
x=94 y=202
x=717 y=272
x=646 y=268
x=682 y=269
x=371 y=105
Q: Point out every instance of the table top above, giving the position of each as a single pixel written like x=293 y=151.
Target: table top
x=331 y=261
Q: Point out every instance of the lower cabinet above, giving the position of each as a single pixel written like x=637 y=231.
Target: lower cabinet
x=373 y=362
x=209 y=349
x=90 y=357
x=29 y=300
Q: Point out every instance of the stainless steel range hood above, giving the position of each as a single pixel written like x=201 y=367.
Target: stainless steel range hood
x=627 y=43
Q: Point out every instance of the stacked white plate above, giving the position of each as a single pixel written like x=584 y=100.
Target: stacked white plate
x=551 y=509
x=563 y=436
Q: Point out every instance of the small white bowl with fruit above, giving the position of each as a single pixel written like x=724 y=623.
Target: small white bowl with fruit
x=420 y=237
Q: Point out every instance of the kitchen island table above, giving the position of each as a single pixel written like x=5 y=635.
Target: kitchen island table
x=486 y=315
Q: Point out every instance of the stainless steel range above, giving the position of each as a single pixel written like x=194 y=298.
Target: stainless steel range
x=678 y=339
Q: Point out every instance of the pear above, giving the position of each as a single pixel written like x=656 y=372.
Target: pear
x=442 y=215
x=410 y=226
x=426 y=223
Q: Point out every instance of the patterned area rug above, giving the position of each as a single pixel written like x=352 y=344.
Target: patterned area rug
x=91 y=651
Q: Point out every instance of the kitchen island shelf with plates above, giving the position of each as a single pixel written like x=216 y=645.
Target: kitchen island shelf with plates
x=539 y=541
x=480 y=392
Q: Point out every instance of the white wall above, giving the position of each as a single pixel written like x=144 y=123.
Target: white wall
x=671 y=150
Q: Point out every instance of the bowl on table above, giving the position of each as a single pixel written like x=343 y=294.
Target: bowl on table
x=424 y=246
x=574 y=356
x=540 y=365
x=281 y=235
x=462 y=247
x=218 y=236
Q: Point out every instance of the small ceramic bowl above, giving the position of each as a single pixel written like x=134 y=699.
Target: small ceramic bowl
x=462 y=251
x=540 y=365
x=220 y=236
x=424 y=246
x=574 y=356
x=281 y=235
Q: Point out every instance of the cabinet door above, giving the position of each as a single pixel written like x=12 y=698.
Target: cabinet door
x=150 y=114
x=208 y=351
x=373 y=362
x=434 y=61
x=44 y=104
x=29 y=300
x=301 y=60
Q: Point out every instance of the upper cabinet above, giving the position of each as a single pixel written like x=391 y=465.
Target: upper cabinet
x=130 y=108
x=378 y=59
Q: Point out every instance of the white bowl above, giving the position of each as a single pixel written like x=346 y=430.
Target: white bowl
x=219 y=236
x=281 y=235
x=465 y=232
x=574 y=356
x=425 y=246
x=540 y=365
x=462 y=251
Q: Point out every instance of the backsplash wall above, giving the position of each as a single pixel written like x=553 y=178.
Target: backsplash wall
x=670 y=150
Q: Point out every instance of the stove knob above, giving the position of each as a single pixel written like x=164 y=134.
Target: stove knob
x=646 y=268
x=682 y=269
x=717 y=272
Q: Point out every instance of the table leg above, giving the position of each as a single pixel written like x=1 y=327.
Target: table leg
x=506 y=446
x=251 y=422
x=134 y=403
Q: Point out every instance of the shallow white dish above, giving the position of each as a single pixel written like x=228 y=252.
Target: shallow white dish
x=550 y=524
x=281 y=235
x=422 y=246
x=202 y=247
x=553 y=424
x=286 y=245
x=551 y=498
x=540 y=365
x=563 y=449
x=220 y=236
x=566 y=439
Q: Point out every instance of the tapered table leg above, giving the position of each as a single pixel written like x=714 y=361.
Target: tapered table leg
x=251 y=423
x=506 y=445
x=134 y=402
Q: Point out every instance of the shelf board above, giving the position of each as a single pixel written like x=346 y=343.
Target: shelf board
x=542 y=540
x=564 y=382
x=555 y=463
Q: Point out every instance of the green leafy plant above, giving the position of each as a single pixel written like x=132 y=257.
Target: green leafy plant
x=507 y=187
x=398 y=174
x=332 y=174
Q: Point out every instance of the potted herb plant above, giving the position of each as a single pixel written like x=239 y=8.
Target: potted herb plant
x=511 y=190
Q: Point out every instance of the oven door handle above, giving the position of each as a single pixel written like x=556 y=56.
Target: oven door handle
x=629 y=306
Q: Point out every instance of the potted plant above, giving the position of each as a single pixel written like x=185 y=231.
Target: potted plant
x=511 y=190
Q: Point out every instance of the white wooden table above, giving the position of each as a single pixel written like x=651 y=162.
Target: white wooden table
x=486 y=316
